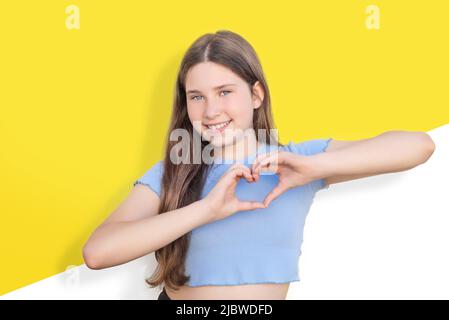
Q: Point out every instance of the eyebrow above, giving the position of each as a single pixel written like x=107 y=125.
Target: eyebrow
x=216 y=88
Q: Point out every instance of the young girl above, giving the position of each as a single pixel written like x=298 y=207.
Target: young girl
x=230 y=226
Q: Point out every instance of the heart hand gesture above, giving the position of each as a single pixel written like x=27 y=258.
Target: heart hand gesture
x=293 y=170
x=222 y=200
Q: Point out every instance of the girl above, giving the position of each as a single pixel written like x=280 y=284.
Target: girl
x=230 y=225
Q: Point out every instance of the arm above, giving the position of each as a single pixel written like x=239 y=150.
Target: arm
x=119 y=241
x=135 y=228
x=391 y=151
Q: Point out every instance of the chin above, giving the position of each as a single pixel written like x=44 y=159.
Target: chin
x=220 y=142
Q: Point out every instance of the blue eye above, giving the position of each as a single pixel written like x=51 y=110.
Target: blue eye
x=194 y=97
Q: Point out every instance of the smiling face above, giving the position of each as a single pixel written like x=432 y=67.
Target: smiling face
x=220 y=104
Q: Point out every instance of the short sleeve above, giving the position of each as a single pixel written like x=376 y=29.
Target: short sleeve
x=152 y=178
x=309 y=148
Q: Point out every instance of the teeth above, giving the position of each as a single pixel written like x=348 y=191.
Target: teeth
x=219 y=126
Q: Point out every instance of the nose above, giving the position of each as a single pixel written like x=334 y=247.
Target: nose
x=213 y=109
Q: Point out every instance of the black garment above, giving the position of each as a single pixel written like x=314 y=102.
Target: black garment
x=163 y=295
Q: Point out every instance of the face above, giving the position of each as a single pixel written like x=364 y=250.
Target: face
x=220 y=104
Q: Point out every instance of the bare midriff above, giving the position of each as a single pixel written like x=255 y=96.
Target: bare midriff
x=259 y=291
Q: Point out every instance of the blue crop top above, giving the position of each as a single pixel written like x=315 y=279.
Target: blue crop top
x=257 y=246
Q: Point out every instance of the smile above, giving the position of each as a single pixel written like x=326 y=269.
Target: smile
x=219 y=126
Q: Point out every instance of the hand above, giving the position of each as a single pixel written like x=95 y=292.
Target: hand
x=222 y=200
x=293 y=170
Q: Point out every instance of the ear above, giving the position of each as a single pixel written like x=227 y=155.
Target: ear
x=258 y=94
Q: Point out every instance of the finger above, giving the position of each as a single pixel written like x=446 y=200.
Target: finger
x=239 y=170
x=250 y=205
x=273 y=166
x=255 y=176
x=267 y=164
x=241 y=166
x=260 y=169
x=276 y=192
x=235 y=166
x=258 y=159
x=257 y=172
x=270 y=157
x=275 y=160
x=255 y=168
x=261 y=158
x=247 y=173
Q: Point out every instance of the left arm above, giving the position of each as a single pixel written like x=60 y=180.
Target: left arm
x=391 y=151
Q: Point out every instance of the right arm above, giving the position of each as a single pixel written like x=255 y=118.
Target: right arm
x=135 y=228
x=118 y=241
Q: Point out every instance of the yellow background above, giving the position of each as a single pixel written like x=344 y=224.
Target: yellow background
x=85 y=112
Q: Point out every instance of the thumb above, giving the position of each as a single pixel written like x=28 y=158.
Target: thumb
x=276 y=192
x=250 y=205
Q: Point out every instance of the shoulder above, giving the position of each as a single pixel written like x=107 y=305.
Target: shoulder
x=152 y=176
x=156 y=168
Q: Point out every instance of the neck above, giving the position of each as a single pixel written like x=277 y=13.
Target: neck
x=247 y=145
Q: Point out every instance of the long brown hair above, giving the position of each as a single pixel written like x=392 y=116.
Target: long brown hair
x=182 y=183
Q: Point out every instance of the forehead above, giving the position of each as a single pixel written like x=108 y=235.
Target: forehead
x=208 y=75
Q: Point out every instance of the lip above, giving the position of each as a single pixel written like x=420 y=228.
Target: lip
x=214 y=124
x=219 y=130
